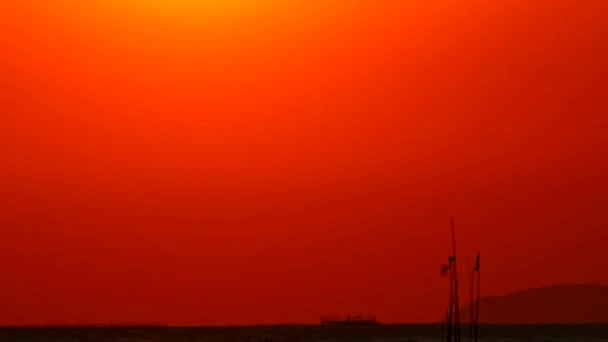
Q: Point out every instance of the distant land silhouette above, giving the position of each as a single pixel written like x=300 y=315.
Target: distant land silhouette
x=558 y=304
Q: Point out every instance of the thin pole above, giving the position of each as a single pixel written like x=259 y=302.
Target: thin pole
x=457 y=308
x=451 y=300
x=455 y=275
x=454 y=249
x=477 y=269
x=471 y=303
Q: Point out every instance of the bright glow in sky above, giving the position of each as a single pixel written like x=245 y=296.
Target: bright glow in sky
x=226 y=8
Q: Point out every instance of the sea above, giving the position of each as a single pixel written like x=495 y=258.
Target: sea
x=383 y=333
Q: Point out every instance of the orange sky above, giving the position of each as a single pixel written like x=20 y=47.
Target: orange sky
x=241 y=161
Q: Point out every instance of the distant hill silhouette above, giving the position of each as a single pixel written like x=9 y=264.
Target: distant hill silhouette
x=554 y=304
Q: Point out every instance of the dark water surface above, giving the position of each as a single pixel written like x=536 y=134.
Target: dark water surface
x=386 y=333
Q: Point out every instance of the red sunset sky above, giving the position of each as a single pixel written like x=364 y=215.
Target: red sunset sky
x=243 y=161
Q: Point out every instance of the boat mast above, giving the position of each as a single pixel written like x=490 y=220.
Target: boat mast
x=476 y=269
x=457 y=314
x=471 y=302
x=455 y=266
x=451 y=299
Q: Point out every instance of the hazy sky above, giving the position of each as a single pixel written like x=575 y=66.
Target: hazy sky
x=241 y=161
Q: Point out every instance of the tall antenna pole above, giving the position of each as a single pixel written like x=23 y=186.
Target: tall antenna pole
x=455 y=278
x=471 y=303
x=478 y=294
x=451 y=298
x=457 y=316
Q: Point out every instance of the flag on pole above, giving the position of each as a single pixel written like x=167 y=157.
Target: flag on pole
x=445 y=269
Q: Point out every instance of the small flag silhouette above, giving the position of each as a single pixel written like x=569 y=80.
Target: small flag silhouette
x=476 y=269
x=445 y=269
